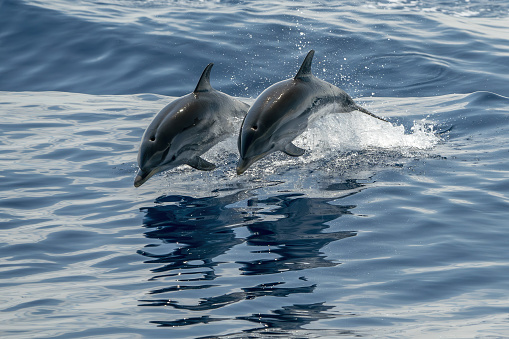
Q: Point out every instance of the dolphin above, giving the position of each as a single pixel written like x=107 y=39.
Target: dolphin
x=187 y=128
x=282 y=112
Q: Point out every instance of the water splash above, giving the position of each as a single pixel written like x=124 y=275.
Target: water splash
x=356 y=131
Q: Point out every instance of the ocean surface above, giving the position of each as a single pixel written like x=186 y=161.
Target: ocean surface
x=381 y=230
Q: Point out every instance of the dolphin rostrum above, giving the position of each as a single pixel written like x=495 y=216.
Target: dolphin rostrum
x=187 y=128
x=282 y=112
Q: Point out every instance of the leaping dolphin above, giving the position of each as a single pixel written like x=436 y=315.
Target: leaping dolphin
x=282 y=112
x=187 y=128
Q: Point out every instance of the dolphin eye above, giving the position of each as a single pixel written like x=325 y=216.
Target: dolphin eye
x=254 y=128
x=152 y=138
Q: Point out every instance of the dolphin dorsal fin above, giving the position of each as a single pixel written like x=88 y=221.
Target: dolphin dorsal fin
x=305 y=68
x=204 y=83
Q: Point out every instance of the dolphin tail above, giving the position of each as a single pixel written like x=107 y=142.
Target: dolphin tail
x=363 y=110
x=445 y=131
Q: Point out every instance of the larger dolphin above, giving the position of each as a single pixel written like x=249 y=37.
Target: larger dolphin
x=187 y=128
x=282 y=112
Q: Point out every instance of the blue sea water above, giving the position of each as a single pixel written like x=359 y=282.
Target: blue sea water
x=396 y=230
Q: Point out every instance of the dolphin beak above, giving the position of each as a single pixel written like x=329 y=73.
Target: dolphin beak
x=243 y=165
x=142 y=177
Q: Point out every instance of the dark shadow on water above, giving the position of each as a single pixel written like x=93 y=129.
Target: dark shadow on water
x=256 y=236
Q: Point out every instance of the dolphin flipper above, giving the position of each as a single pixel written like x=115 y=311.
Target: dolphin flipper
x=201 y=164
x=293 y=150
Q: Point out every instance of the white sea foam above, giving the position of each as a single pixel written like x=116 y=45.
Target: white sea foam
x=357 y=131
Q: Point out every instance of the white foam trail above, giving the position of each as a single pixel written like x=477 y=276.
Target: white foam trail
x=357 y=131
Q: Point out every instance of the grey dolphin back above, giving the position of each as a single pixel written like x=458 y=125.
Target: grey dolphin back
x=305 y=69
x=204 y=82
x=305 y=72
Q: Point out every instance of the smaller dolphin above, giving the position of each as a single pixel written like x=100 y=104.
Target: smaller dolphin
x=187 y=128
x=282 y=112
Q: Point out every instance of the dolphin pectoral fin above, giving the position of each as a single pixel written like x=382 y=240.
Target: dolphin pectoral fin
x=293 y=150
x=201 y=164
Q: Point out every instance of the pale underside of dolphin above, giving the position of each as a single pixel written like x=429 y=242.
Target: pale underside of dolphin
x=282 y=112
x=187 y=128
